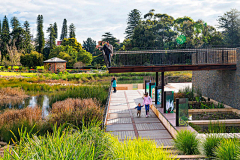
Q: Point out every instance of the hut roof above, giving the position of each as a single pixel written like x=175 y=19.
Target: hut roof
x=54 y=60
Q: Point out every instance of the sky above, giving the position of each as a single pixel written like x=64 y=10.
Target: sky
x=92 y=18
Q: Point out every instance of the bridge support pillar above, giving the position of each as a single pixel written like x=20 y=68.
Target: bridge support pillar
x=156 y=88
x=162 y=85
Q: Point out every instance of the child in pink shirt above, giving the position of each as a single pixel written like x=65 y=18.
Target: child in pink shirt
x=147 y=101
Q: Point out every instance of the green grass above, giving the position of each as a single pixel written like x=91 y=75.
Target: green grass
x=187 y=142
x=228 y=149
x=210 y=144
x=18 y=74
x=88 y=143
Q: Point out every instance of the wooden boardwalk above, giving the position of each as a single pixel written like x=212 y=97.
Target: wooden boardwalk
x=122 y=119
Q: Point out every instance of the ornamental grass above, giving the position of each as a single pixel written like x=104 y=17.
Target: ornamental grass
x=76 y=111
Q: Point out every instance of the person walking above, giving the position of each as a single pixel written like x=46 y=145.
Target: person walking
x=147 y=101
x=114 y=84
x=139 y=107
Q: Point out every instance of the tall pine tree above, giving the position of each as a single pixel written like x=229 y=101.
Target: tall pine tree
x=72 y=31
x=27 y=37
x=5 y=36
x=56 y=30
x=64 y=30
x=15 y=24
x=52 y=38
x=133 y=20
x=0 y=28
x=40 y=35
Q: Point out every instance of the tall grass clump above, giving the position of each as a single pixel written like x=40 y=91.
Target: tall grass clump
x=210 y=144
x=76 y=112
x=88 y=143
x=138 y=149
x=11 y=120
x=228 y=149
x=11 y=95
x=187 y=142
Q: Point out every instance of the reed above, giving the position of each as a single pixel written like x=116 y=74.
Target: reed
x=76 y=112
x=11 y=95
x=11 y=120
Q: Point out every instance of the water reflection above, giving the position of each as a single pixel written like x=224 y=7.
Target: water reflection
x=33 y=101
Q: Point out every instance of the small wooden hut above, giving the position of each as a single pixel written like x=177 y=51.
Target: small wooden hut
x=55 y=64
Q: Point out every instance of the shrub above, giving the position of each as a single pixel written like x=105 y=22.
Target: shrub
x=210 y=144
x=228 y=149
x=187 y=142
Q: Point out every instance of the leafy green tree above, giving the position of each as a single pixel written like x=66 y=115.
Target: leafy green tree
x=134 y=18
x=32 y=59
x=230 y=23
x=72 y=31
x=64 y=30
x=67 y=53
x=52 y=37
x=5 y=37
x=56 y=30
x=84 y=57
x=40 y=42
x=89 y=45
x=97 y=58
x=72 y=42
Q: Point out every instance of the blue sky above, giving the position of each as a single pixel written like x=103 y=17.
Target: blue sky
x=93 y=18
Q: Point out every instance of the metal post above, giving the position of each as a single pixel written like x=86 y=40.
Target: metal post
x=177 y=112
x=162 y=84
x=164 y=102
x=156 y=78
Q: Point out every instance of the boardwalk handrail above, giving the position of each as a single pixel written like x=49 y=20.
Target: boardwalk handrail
x=106 y=107
x=174 y=57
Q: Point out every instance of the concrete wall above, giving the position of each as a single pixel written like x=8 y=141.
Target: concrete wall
x=222 y=86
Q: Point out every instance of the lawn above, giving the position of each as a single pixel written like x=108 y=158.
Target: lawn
x=18 y=74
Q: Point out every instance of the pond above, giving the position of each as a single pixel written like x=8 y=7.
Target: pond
x=33 y=101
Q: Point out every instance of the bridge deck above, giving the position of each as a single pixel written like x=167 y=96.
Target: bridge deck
x=122 y=119
x=172 y=68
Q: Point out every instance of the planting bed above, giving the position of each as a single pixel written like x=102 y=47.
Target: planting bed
x=204 y=105
x=215 y=116
x=215 y=128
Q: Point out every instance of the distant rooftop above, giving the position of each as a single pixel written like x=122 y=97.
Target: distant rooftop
x=55 y=60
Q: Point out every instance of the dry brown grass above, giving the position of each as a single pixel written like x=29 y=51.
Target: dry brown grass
x=27 y=114
x=11 y=95
x=75 y=110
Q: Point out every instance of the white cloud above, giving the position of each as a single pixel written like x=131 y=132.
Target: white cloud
x=93 y=18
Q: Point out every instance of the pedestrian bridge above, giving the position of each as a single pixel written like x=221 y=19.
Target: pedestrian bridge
x=173 y=60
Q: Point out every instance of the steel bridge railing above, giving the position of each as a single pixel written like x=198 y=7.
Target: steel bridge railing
x=173 y=57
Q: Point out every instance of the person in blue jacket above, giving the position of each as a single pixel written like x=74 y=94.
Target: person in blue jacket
x=139 y=107
x=114 y=84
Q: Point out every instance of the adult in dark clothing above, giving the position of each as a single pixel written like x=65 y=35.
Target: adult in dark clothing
x=108 y=51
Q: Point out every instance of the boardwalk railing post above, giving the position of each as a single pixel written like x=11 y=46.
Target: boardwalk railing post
x=162 y=95
x=177 y=112
x=164 y=102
